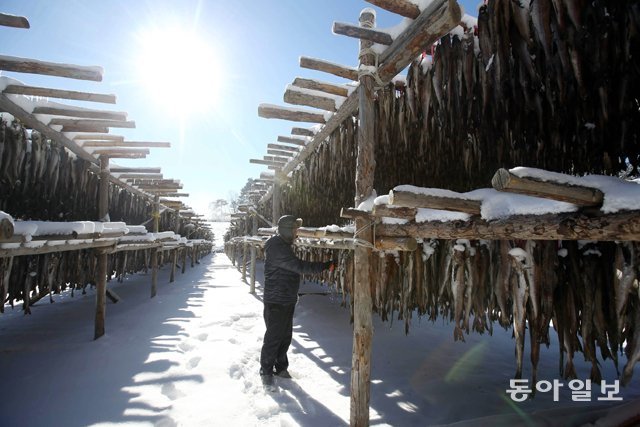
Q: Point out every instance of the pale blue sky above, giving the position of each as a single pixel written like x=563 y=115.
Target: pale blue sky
x=257 y=45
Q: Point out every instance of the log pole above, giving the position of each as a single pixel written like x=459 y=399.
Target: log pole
x=154 y=251
x=254 y=231
x=101 y=280
x=362 y=304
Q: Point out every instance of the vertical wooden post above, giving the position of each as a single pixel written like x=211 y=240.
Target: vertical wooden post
x=154 y=251
x=254 y=231
x=275 y=198
x=362 y=305
x=245 y=250
x=101 y=270
x=174 y=257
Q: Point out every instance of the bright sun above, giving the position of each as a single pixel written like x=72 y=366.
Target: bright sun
x=179 y=70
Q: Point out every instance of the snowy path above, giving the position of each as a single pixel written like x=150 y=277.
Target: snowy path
x=189 y=357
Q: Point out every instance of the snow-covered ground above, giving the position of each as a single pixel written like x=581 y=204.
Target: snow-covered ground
x=189 y=357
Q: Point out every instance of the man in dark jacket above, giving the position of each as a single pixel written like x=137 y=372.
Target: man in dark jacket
x=282 y=270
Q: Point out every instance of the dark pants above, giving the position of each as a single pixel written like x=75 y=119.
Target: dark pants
x=279 y=321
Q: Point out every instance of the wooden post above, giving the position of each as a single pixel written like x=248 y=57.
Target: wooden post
x=101 y=271
x=174 y=258
x=275 y=210
x=362 y=305
x=154 y=251
x=254 y=231
x=245 y=250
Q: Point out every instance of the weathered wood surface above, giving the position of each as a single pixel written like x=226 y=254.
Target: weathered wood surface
x=284 y=148
x=302 y=131
x=6 y=229
x=293 y=140
x=90 y=136
x=281 y=153
x=618 y=226
x=34 y=66
x=266 y=162
x=388 y=211
x=503 y=180
x=124 y=169
x=326 y=87
x=369 y=34
x=126 y=144
x=15 y=21
x=401 y=7
x=59 y=93
x=88 y=122
x=329 y=67
x=297 y=97
x=47 y=249
x=84 y=113
x=414 y=200
x=396 y=244
x=275 y=112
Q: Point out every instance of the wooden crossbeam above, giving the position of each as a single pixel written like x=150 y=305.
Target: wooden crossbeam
x=91 y=122
x=294 y=95
x=266 y=162
x=276 y=159
x=111 y=151
x=331 y=88
x=292 y=140
x=98 y=137
x=119 y=169
x=395 y=212
x=355 y=31
x=131 y=176
x=14 y=21
x=84 y=128
x=503 y=180
x=121 y=155
x=170 y=194
x=281 y=153
x=283 y=147
x=329 y=67
x=414 y=200
x=130 y=144
x=34 y=66
x=302 y=131
x=401 y=7
x=59 y=93
x=83 y=113
x=269 y=111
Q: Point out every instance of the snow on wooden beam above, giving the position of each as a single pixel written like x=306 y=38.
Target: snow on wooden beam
x=353 y=213
x=357 y=32
x=293 y=95
x=401 y=7
x=14 y=21
x=293 y=140
x=436 y=20
x=331 y=88
x=59 y=93
x=111 y=151
x=414 y=200
x=84 y=113
x=132 y=176
x=616 y=226
x=130 y=144
x=33 y=66
x=302 y=132
x=329 y=67
x=266 y=162
x=119 y=169
x=167 y=182
x=46 y=249
x=29 y=121
x=98 y=137
x=269 y=111
x=281 y=153
x=503 y=180
x=283 y=147
x=91 y=122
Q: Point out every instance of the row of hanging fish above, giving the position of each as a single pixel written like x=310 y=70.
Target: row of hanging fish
x=533 y=288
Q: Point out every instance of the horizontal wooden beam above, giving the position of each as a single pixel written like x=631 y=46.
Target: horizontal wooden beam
x=121 y=155
x=90 y=122
x=329 y=67
x=353 y=213
x=414 y=200
x=132 y=176
x=362 y=33
x=170 y=194
x=401 y=7
x=266 y=162
x=617 y=226
x=293 y=95
x=84 y=128
x=408 y=244
x=60 y=93
x=269 y=111
x=119 y=169
x=331 y=88
x=46 y=249
x=93 y=137
x=281 y=153
x=33 y=66
x=129 y=144
x=503 y=180
x=283 y=147
x=84 y=113
x=111 y=151
x=14 y=21
x=394 y=212
x=276 y=159
x=302 y=131
x=31 y=122
x=293 y=140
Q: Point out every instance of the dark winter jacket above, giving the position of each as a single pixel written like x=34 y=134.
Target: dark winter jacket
x=282 y=270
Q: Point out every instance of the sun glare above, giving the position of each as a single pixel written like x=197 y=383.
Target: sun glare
x=179 y=70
